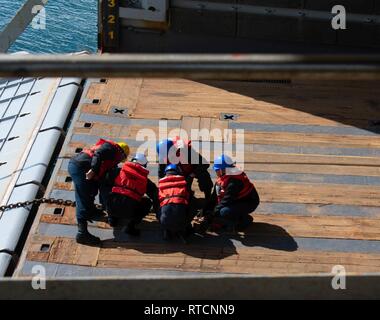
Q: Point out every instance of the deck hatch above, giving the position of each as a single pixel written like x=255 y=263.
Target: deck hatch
x=45 y=247
x=59 y=211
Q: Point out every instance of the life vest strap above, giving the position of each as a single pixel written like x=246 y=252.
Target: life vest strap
x=178 y=196
x=131 y=189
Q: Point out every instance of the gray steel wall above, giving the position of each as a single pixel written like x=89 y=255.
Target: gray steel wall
x=247 y=25
x=224 y=31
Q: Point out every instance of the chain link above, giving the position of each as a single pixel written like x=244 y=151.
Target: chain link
x=60 y=202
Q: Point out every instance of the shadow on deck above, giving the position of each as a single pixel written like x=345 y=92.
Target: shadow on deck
x=353 y=103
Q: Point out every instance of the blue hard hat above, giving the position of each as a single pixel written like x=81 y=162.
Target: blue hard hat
x=164 y=146
x=173 y=167
x=223 y=162
x=141 y=159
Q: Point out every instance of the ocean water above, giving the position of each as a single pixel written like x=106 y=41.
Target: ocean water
x=71 y=26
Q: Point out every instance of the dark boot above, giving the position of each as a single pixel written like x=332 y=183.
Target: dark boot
x=166 y=235
x=244 y=222
x=183 y=237
x=84 y=237
x=189 y=231
x=132 y=231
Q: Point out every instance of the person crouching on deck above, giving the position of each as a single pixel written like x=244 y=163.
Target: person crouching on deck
x=234 y=196
x=174 y=198
x=186 y=155
x=87 y=170
x=127 y=202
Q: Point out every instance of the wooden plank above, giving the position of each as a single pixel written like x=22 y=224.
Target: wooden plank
x=68 y=218
x=315 y=227
x=69 y=221
x=308 y=98
x=64 y=186
x=215 y=100
x=319 y=193
x=297 y=262
x=205 y=124
x=63 y=251
x=255 y=103
x=291 y=268
x=86 y=256
x=188 y=124
x=262 y=138
x=115 y=93
x=276 y=158
x=172 y=248
x=217 y=124
x=39 y=248
x=67 y=251
x=314 y=169
x=241 y=260
x=252 y=260
x=293 y=158
x=131 y=132
x=271 y=225
x=102 y=129
x=309 y=140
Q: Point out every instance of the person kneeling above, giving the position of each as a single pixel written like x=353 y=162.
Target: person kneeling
x=234 y=196
x=127 y=201
x=174 y=198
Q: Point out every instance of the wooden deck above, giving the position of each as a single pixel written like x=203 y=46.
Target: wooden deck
x=312 y=149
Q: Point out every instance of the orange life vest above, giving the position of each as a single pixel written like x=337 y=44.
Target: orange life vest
x=173 y=189
x=132 y=181
x=222 y=183
x=107 y=164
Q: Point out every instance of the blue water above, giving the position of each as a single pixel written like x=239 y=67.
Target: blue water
x=71 y=26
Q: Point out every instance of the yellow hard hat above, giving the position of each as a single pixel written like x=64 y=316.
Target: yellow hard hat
x=125 y=148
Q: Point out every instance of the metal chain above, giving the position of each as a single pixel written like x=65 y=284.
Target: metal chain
x=60 y=202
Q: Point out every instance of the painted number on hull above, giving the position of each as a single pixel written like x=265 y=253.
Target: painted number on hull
x=111 y=19
x=110 y=24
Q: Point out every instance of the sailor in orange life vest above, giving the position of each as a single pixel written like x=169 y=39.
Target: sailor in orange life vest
x=174 y=198
x=234 y=196
x=127 y=202
x=186 y=155
x=88 y=169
